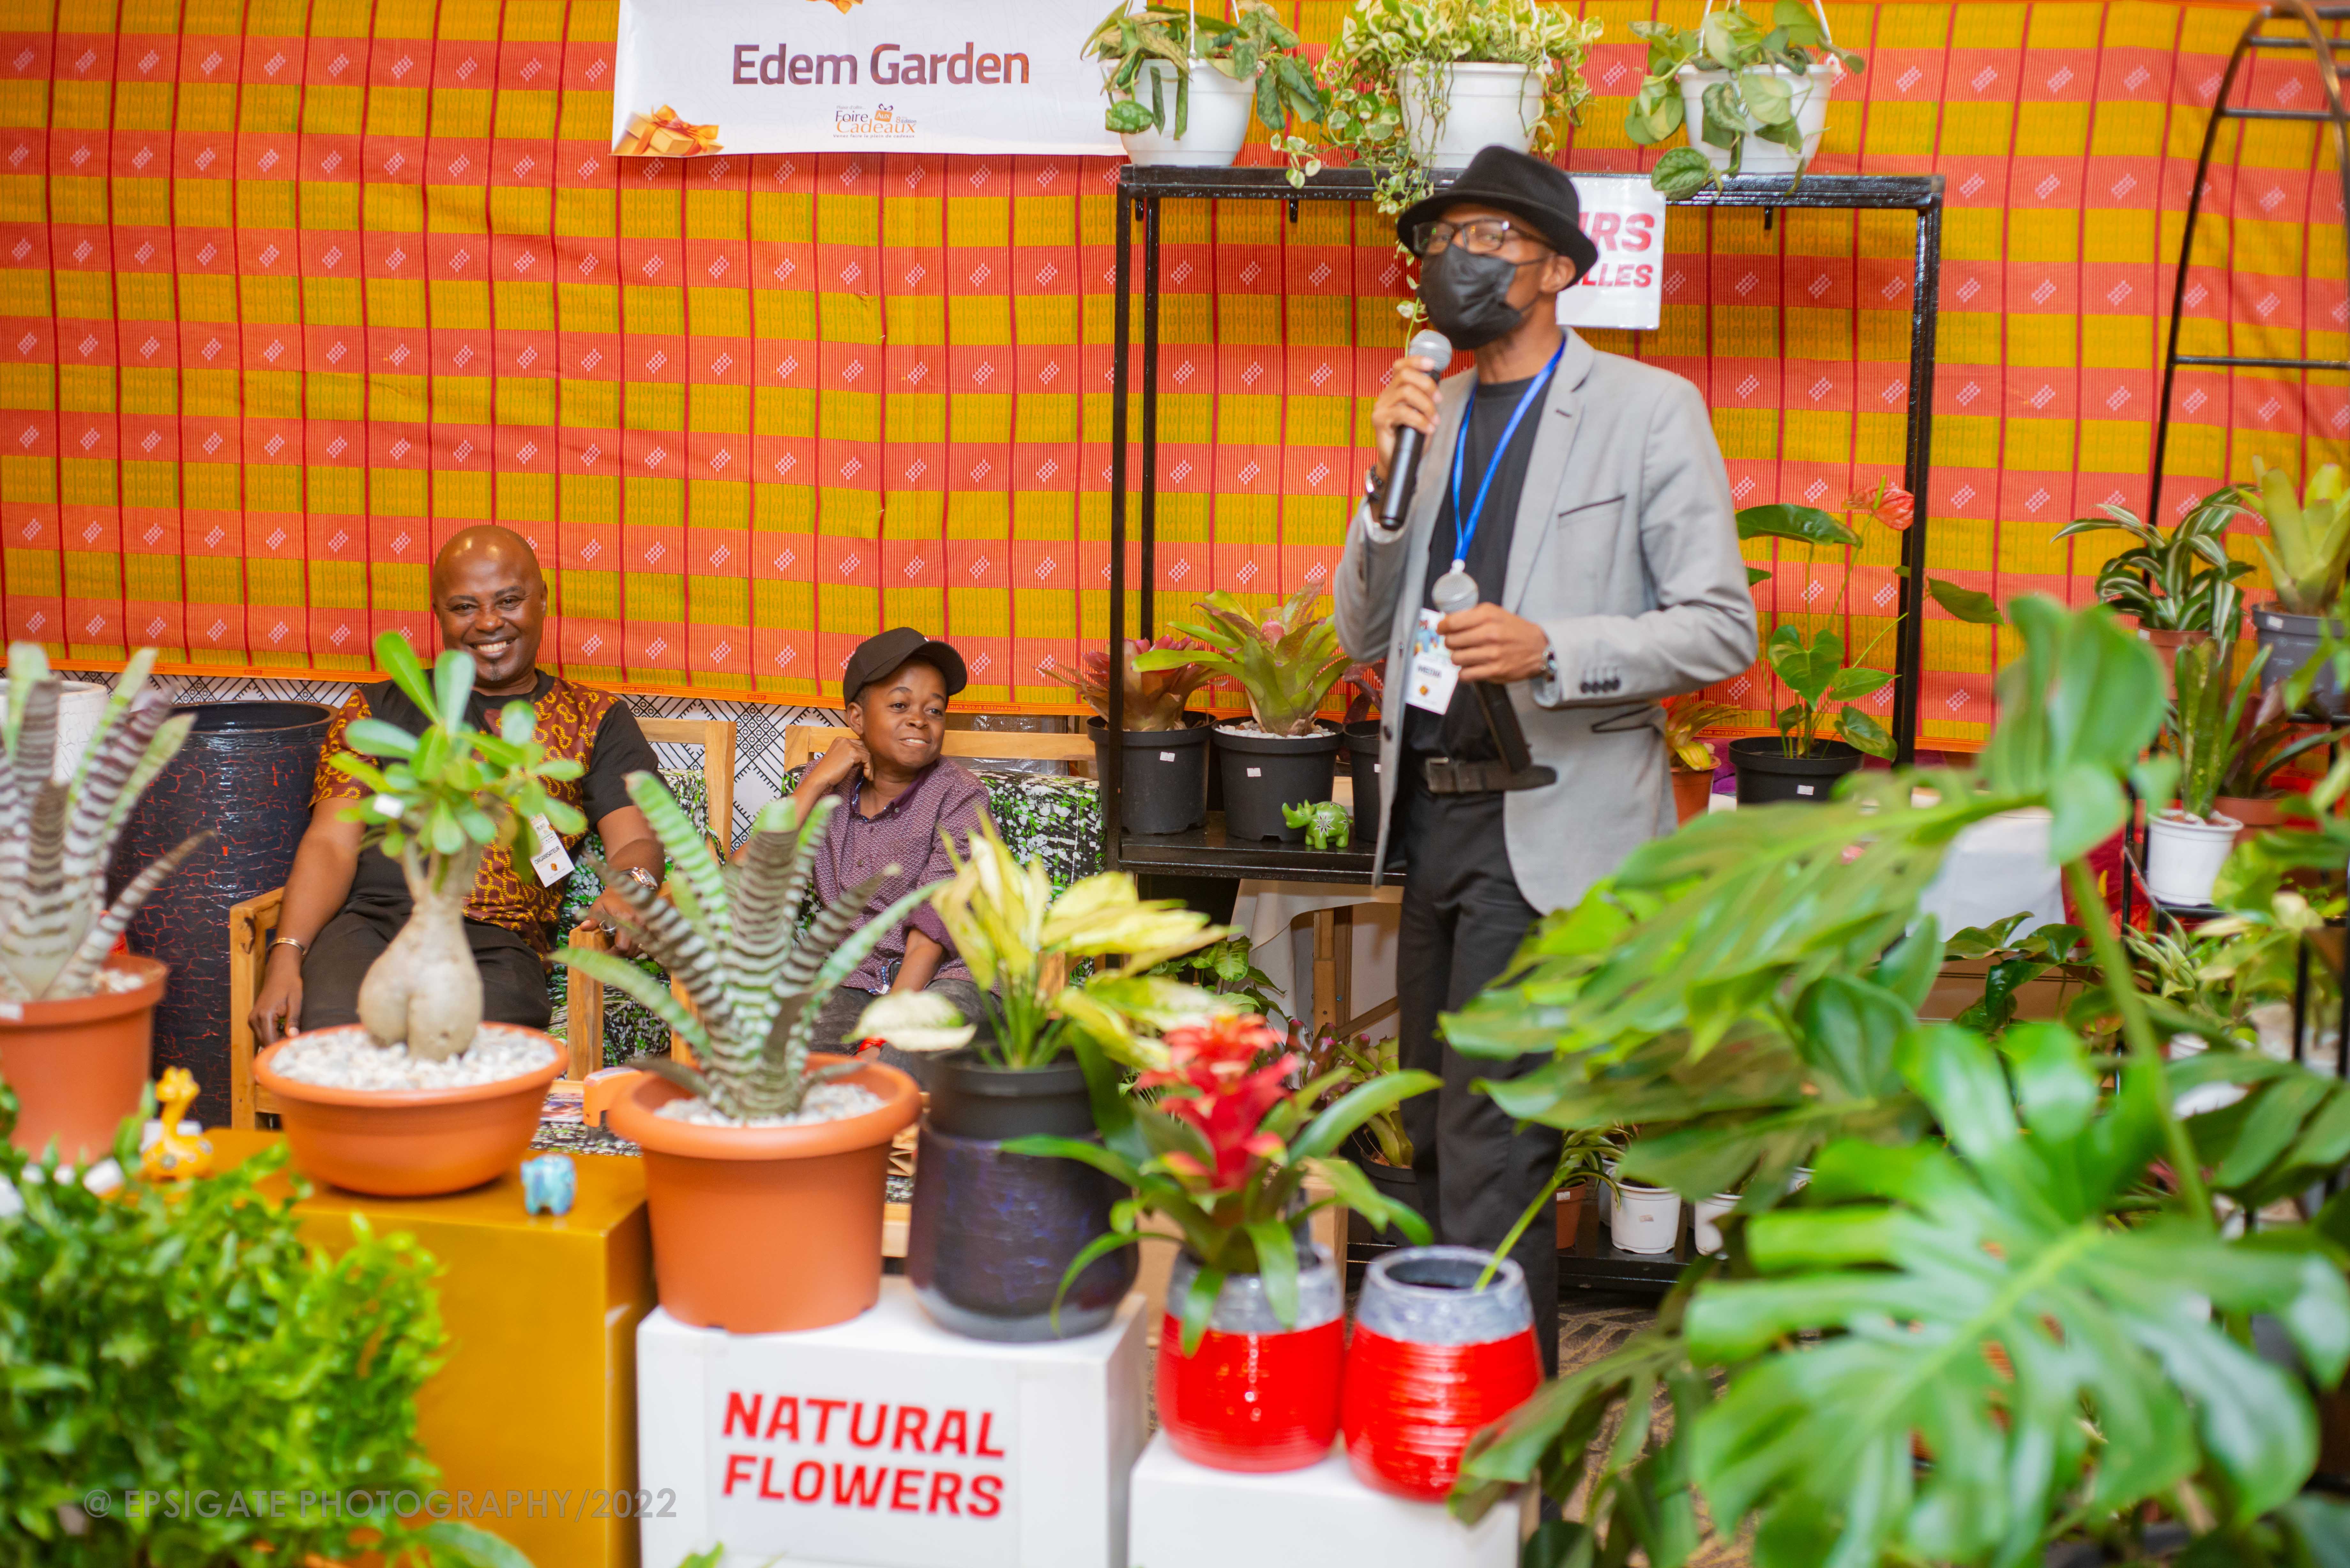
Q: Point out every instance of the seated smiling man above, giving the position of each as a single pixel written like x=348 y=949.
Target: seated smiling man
x=898 y=795
x=343 y=906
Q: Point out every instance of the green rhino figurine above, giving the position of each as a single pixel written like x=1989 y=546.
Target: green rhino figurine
x=1328 y=824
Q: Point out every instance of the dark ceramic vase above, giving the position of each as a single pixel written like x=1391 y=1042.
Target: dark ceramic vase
x=245 y=772
x=993 y=1233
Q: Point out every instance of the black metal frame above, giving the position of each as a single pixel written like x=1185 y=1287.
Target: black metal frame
x=2333 y=114
x=1142 y=189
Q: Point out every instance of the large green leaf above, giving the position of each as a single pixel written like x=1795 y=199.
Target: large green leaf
x=1965 y=604
x=2076 y=709
x=1805 y=525
x=1806 y=664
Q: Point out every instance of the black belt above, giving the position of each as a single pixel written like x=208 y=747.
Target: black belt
x=1446 y=776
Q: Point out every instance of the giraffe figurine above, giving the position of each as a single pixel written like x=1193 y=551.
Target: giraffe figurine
x=175 y=1156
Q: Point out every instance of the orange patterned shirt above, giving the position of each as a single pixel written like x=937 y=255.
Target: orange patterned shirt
x=590 y=727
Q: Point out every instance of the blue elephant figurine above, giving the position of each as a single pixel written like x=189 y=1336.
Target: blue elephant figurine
x=549 y=1184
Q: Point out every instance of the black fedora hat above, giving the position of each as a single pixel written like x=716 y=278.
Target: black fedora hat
x=1523 y=186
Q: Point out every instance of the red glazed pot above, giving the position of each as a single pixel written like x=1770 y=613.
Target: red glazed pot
x=1433 y=1361
x=1255 y=1395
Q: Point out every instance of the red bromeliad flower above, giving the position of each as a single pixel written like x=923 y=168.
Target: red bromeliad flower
x=1888 y=503
x=1230 y=1093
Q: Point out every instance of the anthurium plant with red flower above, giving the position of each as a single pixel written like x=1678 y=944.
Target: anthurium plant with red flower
x=1221 y=1141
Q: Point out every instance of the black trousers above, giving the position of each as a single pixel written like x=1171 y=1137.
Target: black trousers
x=514 y=977
x=1462 y=921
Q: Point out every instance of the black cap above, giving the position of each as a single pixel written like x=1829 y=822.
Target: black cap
x=878 y=655
x=1524 y=187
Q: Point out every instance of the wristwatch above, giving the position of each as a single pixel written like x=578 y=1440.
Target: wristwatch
x=645 y=878
x=1371 y=483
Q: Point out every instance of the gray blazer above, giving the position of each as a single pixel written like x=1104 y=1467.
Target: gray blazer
x=1626 y=552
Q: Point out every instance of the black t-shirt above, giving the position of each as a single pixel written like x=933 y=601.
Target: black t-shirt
x=1459 y=731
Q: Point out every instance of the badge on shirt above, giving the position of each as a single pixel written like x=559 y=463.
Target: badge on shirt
x=553 y=862
x=1433 y=673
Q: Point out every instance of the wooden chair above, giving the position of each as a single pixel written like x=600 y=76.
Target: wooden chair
x=253 y=922
x=803 y=743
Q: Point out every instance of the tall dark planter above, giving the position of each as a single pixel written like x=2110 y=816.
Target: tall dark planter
x=1162 y=775
x=245 y=772
x=2291 y=640
x=1265 y=772
x=992 y=1233
x=1766 y=776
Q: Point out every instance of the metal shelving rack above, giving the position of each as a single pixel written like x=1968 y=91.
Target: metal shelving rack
x=1140 y=192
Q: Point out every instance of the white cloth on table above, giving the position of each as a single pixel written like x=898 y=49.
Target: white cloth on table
x=1265 y=911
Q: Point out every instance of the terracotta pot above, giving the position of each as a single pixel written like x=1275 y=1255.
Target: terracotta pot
x=1255 y=1396
x=409 y=1143
x=1692 y=793
x=1433 y=1360
x=2166 y=645
x=2253 y=814
x=78 y=1067
x=1570 y=1214
x=762 y=1230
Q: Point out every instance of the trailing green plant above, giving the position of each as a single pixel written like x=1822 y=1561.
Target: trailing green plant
x=2011 y=962
x=1755 y=98
x=1286 y=664
x=436 y=803
x=725 y=932
x=180 y=1350
x=2205 y=726
x=2179 y=580
x=1255 y=46
x=1380 y=39
x=2308 y=542
x=1226 y=968
x=1154 y=699
x=57 y=839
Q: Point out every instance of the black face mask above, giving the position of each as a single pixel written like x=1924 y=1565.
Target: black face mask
x=1468 y=296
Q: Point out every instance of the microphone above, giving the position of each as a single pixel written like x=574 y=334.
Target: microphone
x=1435 y=350
x=1457 y=591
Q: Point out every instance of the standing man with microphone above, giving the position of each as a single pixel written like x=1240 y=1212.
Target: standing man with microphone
x=1576 y=502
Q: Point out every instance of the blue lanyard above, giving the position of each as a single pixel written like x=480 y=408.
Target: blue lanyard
x=1464 y=523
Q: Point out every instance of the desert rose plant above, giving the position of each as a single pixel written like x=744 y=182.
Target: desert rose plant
x=1286 y=663
x=57 y=839
x=1155 y=698
x=1220 y=1142
x=437 y=802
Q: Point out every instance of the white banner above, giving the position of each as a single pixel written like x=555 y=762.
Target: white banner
x=903 y=75
x=1625 y=219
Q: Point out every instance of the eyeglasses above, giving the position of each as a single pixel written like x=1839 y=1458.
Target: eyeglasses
x=1478 y=236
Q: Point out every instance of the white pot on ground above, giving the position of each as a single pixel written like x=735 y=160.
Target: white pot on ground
x=1646 y=1218
x=1215 y=121
x=1810 y=91
x=2183 y=853
x=1706 y=1233
x=1453 y=111
x=81 y=706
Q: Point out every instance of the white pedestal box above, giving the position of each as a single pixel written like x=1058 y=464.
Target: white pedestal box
x=1188 y=1516
x=886 y=1442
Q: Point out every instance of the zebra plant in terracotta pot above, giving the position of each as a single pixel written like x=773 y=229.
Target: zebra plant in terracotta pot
x=758 y=1135
x=420 y=1096
x=76 y=1023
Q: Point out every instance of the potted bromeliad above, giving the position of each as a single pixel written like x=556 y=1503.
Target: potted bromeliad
x=1067 y=986
x=2307 y=550
x=1219 y=1143
x=1286 y=664
x=1163 y=751
x=76 y=1017
x=1687 y=718
x=1754 y=98
x=420 y=1096
x=758 y=1136
x=2181 y=585
x=1419 y=85
x=1169 y=110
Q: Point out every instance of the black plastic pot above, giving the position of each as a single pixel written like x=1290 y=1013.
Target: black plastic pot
x=2292 y=641
x=1767 y=776
x=1162 y=774
x=245 y=772
x=1265 y=772
x=1362 y=742
x=992 y=1233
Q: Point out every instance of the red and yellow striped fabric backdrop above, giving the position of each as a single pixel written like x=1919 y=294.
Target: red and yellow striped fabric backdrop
x=294 y=288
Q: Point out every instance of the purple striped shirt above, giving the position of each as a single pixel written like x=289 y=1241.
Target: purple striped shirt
x=905 y=834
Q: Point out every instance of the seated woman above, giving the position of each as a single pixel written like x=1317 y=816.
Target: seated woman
x=898 y=794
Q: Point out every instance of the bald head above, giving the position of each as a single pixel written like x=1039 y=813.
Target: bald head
x=491 y=601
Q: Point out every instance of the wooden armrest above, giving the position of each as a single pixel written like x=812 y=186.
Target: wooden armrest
x=251 y=924
x=584 y=1006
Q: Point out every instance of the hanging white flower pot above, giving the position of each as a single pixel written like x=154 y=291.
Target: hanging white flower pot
x=1808 y=98
x=1453 y=111
x=2183 y=853
x=1215 y=119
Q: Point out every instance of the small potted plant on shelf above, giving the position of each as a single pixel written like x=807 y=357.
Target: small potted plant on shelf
x=421 y=1097
x=1754 y=99
x=2307 y=550
x=1419 y=85
x=1687 y=718
x=76 y=1018
x=2187 y=843
x=2181 y=585
x=1221 y=1144
x=753 y=1133
x=1381 y=1147
x=1226 y=968
x=1169 y=111
x=1163 y=754
x=993 y=1233
x=2251 y=792
x=1286 y=664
